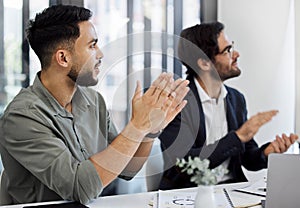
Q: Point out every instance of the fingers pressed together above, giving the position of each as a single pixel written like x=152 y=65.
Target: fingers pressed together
x=157 y=107
x=166 y=93
x=281 y=144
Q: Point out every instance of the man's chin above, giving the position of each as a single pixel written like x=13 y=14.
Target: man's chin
x=233 y=74
x=236 y=71
x=86 y=82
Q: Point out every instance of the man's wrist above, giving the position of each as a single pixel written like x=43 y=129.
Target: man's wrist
x=153 y=135
x=132 y=133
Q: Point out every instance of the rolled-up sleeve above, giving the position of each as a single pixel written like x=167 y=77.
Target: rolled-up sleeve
x=87 y=186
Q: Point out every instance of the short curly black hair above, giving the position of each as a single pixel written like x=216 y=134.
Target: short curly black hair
x=199 y=41
x=56 y=26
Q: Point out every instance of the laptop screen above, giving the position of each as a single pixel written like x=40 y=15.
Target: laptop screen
x=283 y=181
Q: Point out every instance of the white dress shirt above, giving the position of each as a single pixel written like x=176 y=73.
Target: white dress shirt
x=215 y=118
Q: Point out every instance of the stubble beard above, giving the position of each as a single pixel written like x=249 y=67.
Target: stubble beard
x=82 y=79
x=233 y=72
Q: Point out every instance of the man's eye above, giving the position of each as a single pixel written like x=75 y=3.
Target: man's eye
x=229 y=49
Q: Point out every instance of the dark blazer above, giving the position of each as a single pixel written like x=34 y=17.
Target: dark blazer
x=185 y=136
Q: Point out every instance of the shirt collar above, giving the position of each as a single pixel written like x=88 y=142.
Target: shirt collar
x=79 y=100
x=204 y=97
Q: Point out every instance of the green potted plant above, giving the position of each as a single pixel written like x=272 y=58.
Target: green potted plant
x=204 y=177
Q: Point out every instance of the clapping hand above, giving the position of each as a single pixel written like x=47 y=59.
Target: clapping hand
x=251 y=126
x=281 y=144
x=158 y=106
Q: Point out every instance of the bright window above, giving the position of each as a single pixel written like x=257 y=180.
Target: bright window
x=138 y=44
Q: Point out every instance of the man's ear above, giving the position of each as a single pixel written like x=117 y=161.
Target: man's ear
x=203 y=64
x=63 y=58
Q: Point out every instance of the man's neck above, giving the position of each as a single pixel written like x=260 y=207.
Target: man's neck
x=210 y=86
x=60 y=87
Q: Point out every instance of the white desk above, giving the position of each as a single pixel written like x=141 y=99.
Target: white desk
x=141 y=200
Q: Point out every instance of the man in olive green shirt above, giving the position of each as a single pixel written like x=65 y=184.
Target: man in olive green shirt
x=57 y=139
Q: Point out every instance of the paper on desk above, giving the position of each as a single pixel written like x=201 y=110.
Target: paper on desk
x=256 y=188
x=242 y=200
x=248 y=196
x=176 y=199
x=170 y=199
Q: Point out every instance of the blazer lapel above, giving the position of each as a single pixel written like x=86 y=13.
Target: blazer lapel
x=230 y=114
x=201 y=136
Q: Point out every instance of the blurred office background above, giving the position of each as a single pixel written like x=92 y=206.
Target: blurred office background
x=139 y=40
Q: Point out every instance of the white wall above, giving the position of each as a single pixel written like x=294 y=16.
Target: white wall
x=297 y=8
x=263 y=31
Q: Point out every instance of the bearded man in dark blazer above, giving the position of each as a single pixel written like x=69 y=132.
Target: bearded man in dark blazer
x=214 y=123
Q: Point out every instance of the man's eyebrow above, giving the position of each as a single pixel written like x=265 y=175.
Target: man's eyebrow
x=226 y=48
x=94 y=40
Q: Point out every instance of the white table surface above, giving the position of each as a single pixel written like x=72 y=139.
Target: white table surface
x=142 y=200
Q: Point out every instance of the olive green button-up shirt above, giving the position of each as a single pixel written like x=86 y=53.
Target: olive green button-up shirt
x=45 y=149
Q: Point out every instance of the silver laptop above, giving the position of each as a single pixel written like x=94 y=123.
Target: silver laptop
x=283 y=181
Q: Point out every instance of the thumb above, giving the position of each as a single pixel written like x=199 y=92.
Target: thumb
x=138 y=90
